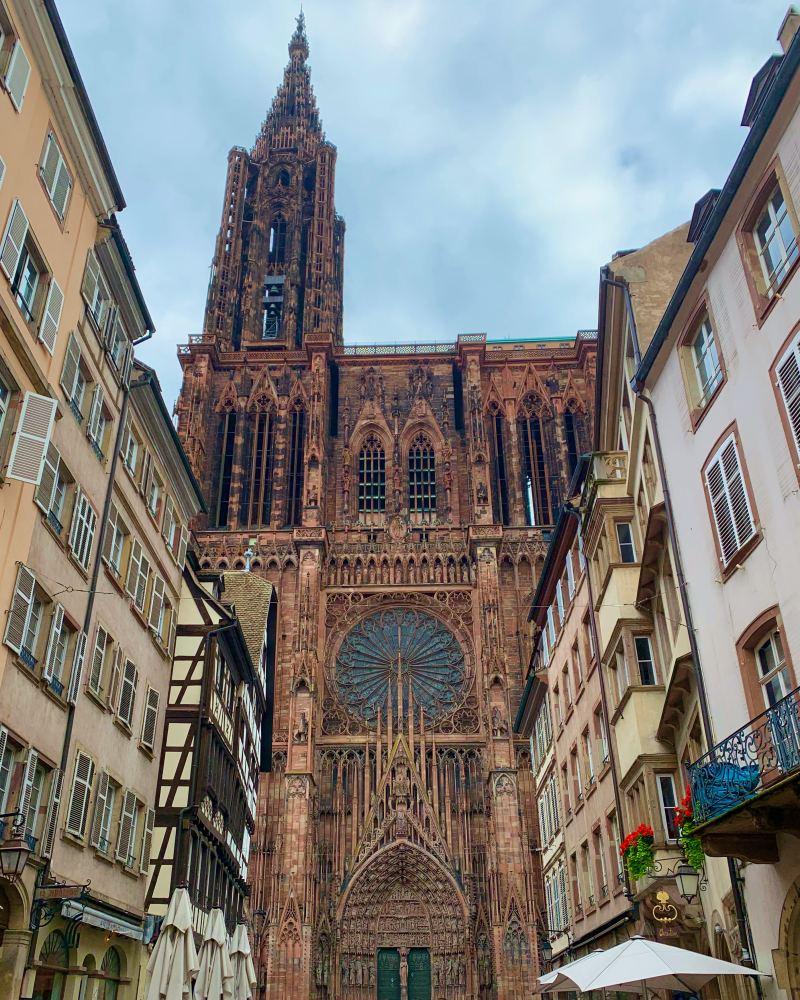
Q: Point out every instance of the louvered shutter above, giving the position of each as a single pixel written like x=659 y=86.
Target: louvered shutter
x=111 y=530
x=13 y=240
x=27 y=782
x=91 y=276
x=98 y=658
x=99 y=810
x=56 y=624
x=127 y=821
x=51 y=820
x=31 y=438
x=144 y=485
x=77 y=518
x=20 y=608
x=72 y=361
x=150 y=718
x=126 y=365
x=43 y=495
x=52 y=315
x=173 y=630
x=169 y=519
x=156 y=604
x=81 y=791
x=141 y=583
x=133 y=567
x=77 y=668
x=183 y=545
x=62 y=189
x=127 y=694
x=50 y=161
x=730 y=504
x=17 y=75
x=95 y=414
x=116 y=670
x=2 y=165
x=788 y=381
x=147 y=840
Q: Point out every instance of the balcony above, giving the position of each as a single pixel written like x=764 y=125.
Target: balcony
x=745 y=788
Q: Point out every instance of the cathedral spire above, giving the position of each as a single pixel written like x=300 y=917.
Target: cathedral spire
x=299 y=41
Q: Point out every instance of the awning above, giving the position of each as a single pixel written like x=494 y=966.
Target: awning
x=86 y=913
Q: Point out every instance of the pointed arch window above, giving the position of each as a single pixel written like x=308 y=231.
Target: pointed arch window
x=500 y=492
x=227 y=445
x=277 y=240
x=535 y=485
x=372 y=477
x=421 y=476
x=295 y=472
x=571 y=420
x=257 y=491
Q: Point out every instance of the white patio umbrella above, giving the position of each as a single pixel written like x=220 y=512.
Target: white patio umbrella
x=640 y=963
x=244 y=973
x=173 y=963
x=215 y=978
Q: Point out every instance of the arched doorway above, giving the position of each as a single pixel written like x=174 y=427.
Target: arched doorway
x=52 y=972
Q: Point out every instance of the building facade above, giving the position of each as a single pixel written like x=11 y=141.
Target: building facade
x=722 y=371
x=398 y=501
x=94 y=513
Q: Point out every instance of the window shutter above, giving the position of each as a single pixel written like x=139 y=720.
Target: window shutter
x=147 y=841
x=144 y=485
x=13 y=240
x=52 y=315
x=133 y=567
x=126 y=824
x=84 y=522
x=20 y=608
x=49 y=164
x=17 y=75
x=156 y=603
x=62 y=189
x=150 y=718
x=91 y=277
x=111 y=530
x=789 y=384
x=43 y=495
x=31 y=438
x=126 y=366
x=51 y=820
x=127 y=694
x=173 y=630
x=2 y=165
x=77 y=668
x=141 y=583
x=116 y=669
x=730 y=504
x=79 y=797
x=27 y=782
x=169 y=519
x=184 y=543
x=99 y=809
x=98 y=657
x=72 y=361
x=56 y=624
x=96 y=412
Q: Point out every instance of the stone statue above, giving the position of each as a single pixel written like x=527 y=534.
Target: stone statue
x=404 y=974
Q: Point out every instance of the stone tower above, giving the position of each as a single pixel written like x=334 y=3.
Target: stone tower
x=399 y=499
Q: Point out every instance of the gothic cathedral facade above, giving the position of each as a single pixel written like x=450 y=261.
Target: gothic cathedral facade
x=399 y=500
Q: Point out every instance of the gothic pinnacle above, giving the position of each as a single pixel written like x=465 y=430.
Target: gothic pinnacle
x=299 y=40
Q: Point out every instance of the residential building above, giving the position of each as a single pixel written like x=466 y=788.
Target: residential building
x=723 y=372
x=93 y=534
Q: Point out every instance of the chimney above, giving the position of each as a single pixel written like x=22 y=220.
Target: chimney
x=788 y=28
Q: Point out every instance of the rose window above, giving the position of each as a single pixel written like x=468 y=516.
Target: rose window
x=394 y=652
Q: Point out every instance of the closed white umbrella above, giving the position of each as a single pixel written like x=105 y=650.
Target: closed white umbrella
x=215 y=978
x=639 y=961
x=173 y=963
x=244 y=973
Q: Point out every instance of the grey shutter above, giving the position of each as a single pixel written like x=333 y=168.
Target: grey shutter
x=62 y=188
x=52 y=315
x=133 y=567
x=156 y=603
x=13 y=240
x=27 y=783
x=116 y=668
x=127 y=694
x=147 y=841
x=788 y=381
x=43 y=495
x=77 y=668
x=72 y=361
x=169 y=519
x=79 y=797
x=51 y=820
x=90 y=278
x=126 y=826
x=99 y=809
x=96 y=412
x=98 y=659
x=56 y=624
x=126 y=366
x=49 y=165
x=31 y=438
x=150 y=718
x=17 y=75
x=20 y=608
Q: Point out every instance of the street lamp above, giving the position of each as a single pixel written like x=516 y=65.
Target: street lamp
x=14 y=850
x=546 y=949
x=688 y=881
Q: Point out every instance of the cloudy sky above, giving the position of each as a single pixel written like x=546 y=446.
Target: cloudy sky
x=492 y=156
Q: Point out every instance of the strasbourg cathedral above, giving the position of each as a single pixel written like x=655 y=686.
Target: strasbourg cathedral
x=399 y=499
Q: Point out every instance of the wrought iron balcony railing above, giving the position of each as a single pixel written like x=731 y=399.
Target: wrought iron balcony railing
x=758 y=755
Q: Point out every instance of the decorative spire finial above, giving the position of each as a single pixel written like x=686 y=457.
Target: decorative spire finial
x=299 y=39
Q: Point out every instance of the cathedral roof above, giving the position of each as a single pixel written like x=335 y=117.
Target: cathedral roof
x=250 y=597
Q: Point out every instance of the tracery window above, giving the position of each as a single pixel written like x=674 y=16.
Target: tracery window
x=257 y=492
x=277 y=240
x=227 y=442
x=571 y=438
x=500 y=492
x=372 y=477
x=535 y=487
x=296 y=467
x=421 y=476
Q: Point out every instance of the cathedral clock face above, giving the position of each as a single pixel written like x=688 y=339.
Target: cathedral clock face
x=396 y=651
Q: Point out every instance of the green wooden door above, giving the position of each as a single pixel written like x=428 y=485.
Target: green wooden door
x=419 y=974
x=389 y=974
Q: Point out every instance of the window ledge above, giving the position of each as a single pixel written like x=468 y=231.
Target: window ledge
x=147 y=751
x=139 y=615
x=123 y=726
x=57 y=699
x=115 y=580
x=74 y=560
x=764 y=306
x=591 y=789
x=741 y=556
x=73 y=838
x=698 y=414
x=105 y=858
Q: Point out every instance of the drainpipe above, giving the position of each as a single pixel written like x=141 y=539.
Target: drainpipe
x=603 y=697
x=740 y=905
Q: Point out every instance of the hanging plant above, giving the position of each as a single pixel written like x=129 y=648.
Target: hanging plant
x=689 y=841
x=637 y=851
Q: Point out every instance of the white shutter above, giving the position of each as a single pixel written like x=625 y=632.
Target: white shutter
x=52 y=315
x=127 y=694
x=27 y=783
x=79 y=797
x=127 y=822
x=111 y=530
x=31 y=438
x=184 y=543
x=150 y=718
x=62 y=188
x=20 y=608
x=13 y=239
x=99 y=809
x=49 y=165
x=788 y=381
x=133 y=567
x=77 y=668
x=98 y=658
x=17 y=75
x=116 y=670
x=43 y=495
x=156 y=604
x=144 y=485
x=173 y=630
x=126 y=365
x=2 y=165
x=95 y=414
x=147 y=841
x=51 y=820
x=91 y=277
x=56 y=624
x=84 y=522
x=733 y=517
x=141 y=583
x=169 y=519
x=72 y=361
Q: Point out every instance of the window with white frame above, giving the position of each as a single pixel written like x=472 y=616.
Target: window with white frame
x=84 y=522
x=705 y=361
x=103 y=817
x=95 y=291
x=128 y=825
x=52 y=494
x=627 y=550
x=127 y=692
x=730 y=504
x=773 y=671
x=644 y=660
x=775 y=239
x=99 y=422
x=138 y=575
x=75 y=379
x=131 y=447
x=787 y=379
x=15 y=66
x=668 y=802
x=25 y=617
x=80 y=794
x=588 y=757
x=7 y=756
x=55 y=175
x=115 y=541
